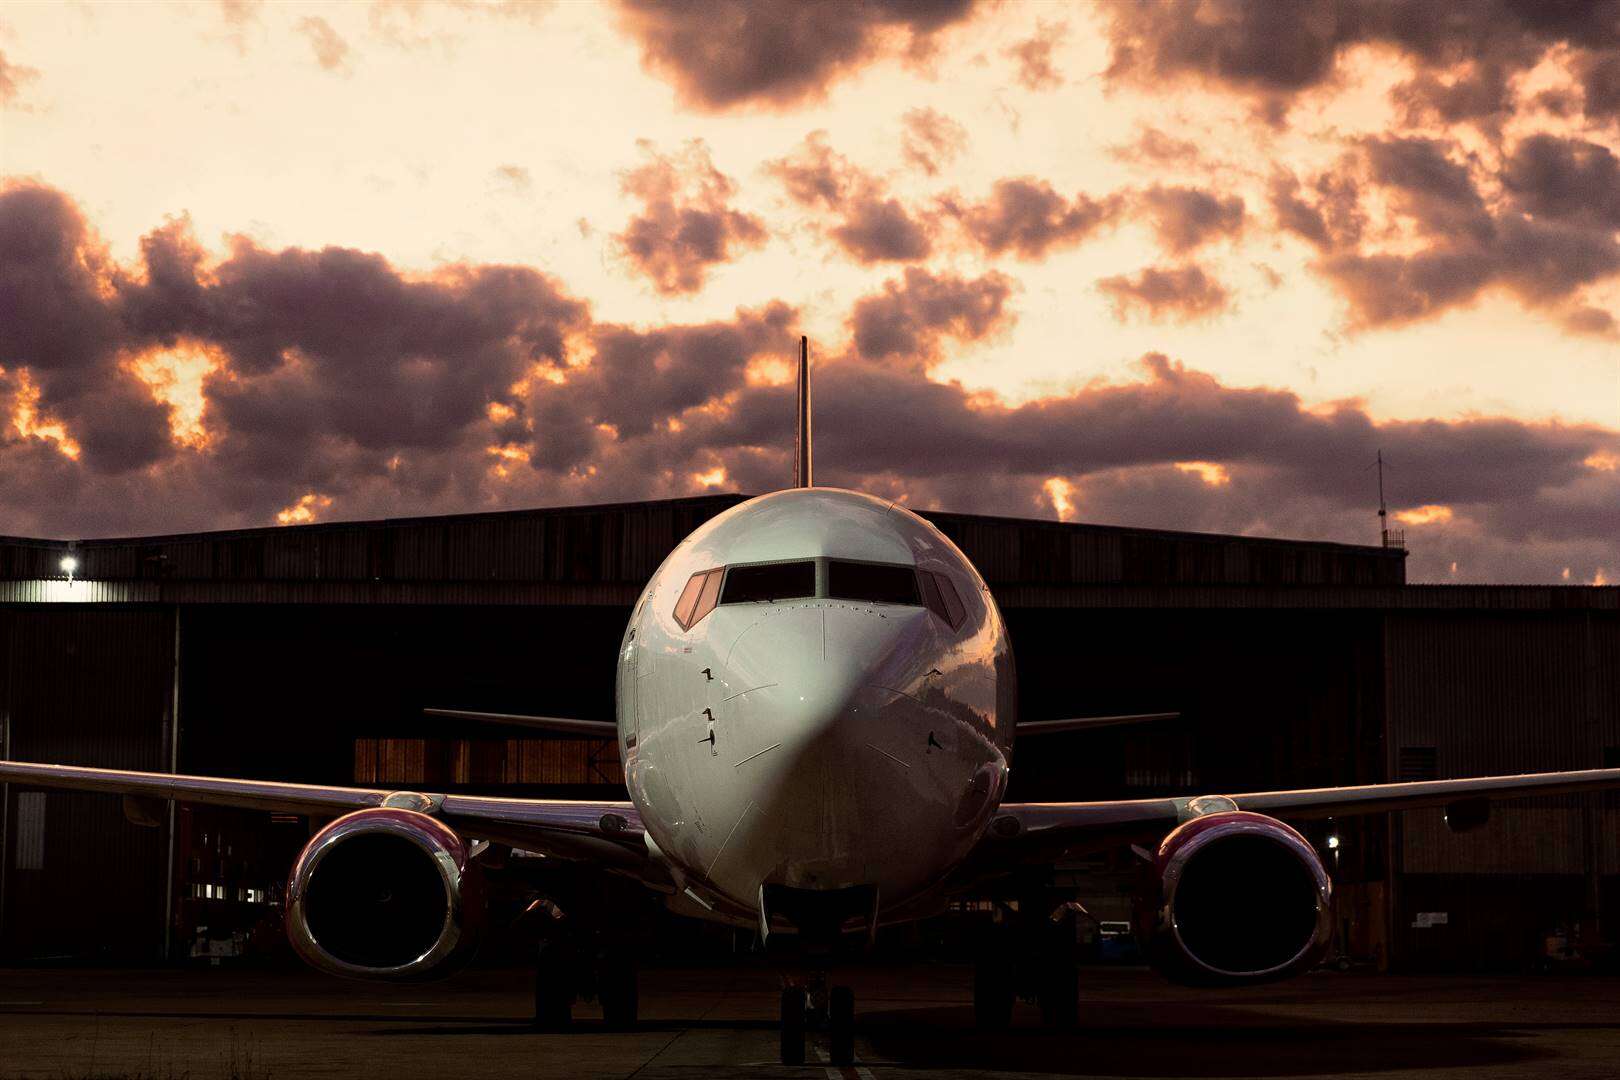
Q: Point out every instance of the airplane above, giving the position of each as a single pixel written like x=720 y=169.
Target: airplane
x=816 y=713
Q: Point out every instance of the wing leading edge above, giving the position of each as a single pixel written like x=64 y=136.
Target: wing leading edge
x=1032 y=832
x=608 y=833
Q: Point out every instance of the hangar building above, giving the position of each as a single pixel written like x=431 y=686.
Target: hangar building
x=310 y=652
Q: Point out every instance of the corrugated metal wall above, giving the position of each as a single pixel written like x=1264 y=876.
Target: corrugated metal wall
x=1011 y=551
x=625 y=543
x=1505 y=693
x=585 y=544
x=1494 y=693
x=90 y=687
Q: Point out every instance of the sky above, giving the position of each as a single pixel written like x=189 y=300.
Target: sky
x=1185 y=265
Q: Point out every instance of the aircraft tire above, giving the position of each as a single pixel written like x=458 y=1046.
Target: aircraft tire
x=1059 y=993
x=994 y=991
x=841 y=1025
x=618 y=992
x=793 y=1025
x=553 y=992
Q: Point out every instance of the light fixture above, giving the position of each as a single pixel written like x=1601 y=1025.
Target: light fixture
x=69 y=565
x=1333 y=842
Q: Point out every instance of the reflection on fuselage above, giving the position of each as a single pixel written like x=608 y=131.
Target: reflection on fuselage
x=809 y=740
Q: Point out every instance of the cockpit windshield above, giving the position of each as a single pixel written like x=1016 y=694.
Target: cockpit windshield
x=769 y=581
x=875 y=583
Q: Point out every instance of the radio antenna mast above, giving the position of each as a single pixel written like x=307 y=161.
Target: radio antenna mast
x=802 y=472
x=1383 y=511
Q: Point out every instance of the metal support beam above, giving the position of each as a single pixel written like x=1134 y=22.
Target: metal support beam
x=172 y=739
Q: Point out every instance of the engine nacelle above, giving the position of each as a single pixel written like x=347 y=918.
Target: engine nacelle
x=386 y=893
x=1240 y=898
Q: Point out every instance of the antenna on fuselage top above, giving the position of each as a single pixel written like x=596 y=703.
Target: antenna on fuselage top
x=802 y=475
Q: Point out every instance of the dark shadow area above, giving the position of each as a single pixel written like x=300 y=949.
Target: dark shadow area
x=1176 y=1039
x=580 y=1027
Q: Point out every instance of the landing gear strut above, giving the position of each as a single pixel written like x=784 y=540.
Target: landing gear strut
x=793 y=1025
x=555 y=976
x=799 y=1013
x=573 y=962
x=1032 y=955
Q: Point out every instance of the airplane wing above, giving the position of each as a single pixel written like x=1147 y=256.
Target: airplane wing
x=1088 y=723
x=1036 y=832
x=602 y=729
x=605 y=833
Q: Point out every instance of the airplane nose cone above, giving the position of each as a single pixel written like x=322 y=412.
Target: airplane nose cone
x=837 y=756
x=814 y=665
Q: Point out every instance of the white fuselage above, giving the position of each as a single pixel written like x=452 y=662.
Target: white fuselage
x=817 y=742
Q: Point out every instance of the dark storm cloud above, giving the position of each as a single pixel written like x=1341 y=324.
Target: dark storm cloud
x=13 y=77
x=876 y=229
x=673 y=370
x=1466 y=54
x=686 y=225
x=872 y=226
x=1027 y=217
x=1034 y=56
x=1548 y=239
x=333 y=360
x=1329 y=215
x=911 y=316
x=1565 y=179
x=488 y=386
x=931 y=140
x=722 y=54
x=1185 y=218
x=1292 y=471
x=815 y=174
x=55 y=321
x=1176 y=294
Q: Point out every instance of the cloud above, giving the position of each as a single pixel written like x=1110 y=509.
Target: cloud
x=13 y=77
x=514 y=177
x=240 y=17
x=1551 y=238
x=726 y=54
x=1175 y=294
x=330 y=50
x=1154 y=147
x=931 y=140
x=1466 y=57
x=1594 y=322
x=878 y=229
x=343 y=387
x=1565 y=180
x=686 y=225
x=1331 y=216
x=1027 y=217
x=1187 y=218
x=1034 y=56
x=55 y=322
x=912 y=315
x=869 y=224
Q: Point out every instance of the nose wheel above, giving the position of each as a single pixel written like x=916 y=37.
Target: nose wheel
x=793 y=1025
x=840 y=1020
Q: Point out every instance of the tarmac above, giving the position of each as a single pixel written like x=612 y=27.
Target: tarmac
x=719 y=1022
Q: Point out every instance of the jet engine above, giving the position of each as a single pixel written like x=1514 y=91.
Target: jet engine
x=386 y=893
x=1239 y=898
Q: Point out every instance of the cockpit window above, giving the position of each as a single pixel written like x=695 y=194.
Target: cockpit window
x=875 y=583
x=941 y=597
x=770 y=581
x=697 y=599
